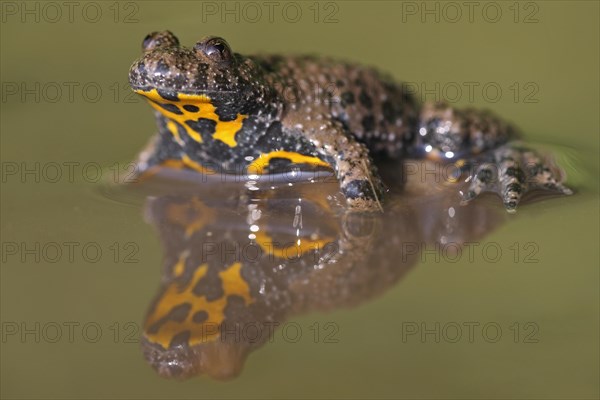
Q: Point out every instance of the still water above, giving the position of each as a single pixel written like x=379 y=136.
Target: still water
x=301 y=299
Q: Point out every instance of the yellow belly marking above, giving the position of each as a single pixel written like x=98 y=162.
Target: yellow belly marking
x=172 y=127
x=224 y=130
x=258 y=165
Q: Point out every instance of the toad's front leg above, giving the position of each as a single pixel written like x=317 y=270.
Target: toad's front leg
x=358 y=177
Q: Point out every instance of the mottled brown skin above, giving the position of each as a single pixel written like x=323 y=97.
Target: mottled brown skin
x=319 y=112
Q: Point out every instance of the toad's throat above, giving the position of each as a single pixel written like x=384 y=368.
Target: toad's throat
x=194 y=115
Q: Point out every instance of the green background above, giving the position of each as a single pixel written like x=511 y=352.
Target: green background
x=556 y=53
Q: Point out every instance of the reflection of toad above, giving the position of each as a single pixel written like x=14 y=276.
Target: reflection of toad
x=237 y=265
x=217 y=109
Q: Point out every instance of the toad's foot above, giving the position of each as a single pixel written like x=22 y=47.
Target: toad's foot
x=511 y=171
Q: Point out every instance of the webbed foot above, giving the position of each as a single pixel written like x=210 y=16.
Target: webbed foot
x=512 y=171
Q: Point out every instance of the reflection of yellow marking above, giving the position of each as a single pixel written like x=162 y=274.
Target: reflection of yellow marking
x=224 y=130
x=179 y=268
x=296 y=249
x=258 y=165
x=174 y=295
x=458 y=164
x=192 y=215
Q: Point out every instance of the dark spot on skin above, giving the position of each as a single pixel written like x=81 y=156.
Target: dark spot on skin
x=389 y=113
x=200 y=317
x=168 y=95
x=191 y=108
x=339 y=83
x=347 y=98
x=210 y=286
x=172 y=108
x=516 y=173
x=485 y=176
x=279 y=165
x=178 y=314
x=365 y=99
x=275 y=129
x=368 y=123
x=227 y=112
x=535 y=169
x=180 y=339
x=514 y=187
x=235 y=306
x=161 y=67
x=406 y=95
x=268 y=67
x=204 y=126
x=141 y=68
x=358 y=189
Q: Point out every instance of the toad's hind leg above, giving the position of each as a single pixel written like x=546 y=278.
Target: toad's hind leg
x=511 y=171
x=498 y=163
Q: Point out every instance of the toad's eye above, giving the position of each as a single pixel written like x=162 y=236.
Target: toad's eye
x=159 y=39
x=216 y=49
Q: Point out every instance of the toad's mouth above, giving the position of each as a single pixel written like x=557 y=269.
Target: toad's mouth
x=189 y=113
x=158 y=96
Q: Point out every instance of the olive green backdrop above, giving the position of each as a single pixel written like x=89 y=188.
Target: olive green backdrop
x=544 y=58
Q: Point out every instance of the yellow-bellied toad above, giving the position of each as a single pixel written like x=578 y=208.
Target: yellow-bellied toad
x=220 y=110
